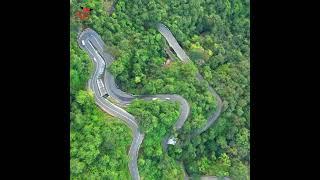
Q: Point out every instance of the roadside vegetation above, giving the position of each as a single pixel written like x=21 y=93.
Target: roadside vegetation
x=98 y=143
x=156 y=119
x=216 y=36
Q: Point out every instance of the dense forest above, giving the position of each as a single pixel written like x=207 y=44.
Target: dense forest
x=98 y=142
x=156 y=120
x=216 y=36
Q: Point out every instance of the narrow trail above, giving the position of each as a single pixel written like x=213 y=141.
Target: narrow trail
x=102 y=83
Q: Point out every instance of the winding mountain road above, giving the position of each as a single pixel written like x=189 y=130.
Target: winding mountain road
x=102 y=84
x=185 y=58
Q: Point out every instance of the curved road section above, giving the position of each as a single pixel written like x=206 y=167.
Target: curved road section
x=85 y=43
x=166 y=33
x=185 y=58
x=102 y=84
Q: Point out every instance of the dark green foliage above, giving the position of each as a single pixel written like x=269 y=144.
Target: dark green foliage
x=99 y=143
x=216 y=36
x=156 y=119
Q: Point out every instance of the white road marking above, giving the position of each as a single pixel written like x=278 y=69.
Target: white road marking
x=97 y=42
x=92 y=46
x=89 y=50
x=103 y=62
x=131 y=120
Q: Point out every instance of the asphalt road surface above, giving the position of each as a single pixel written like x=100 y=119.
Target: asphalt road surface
x=166 y=33
x=185 y=58
x=92 y=43
x=85 y=41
